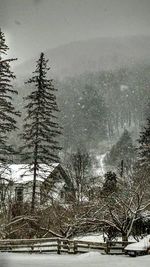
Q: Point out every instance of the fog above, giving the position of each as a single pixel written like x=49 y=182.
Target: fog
x=78 y=96
x=32 y=26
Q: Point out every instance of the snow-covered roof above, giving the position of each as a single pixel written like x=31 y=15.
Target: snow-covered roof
x=20 y=173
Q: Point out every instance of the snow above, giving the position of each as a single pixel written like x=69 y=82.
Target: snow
x=20 y=173
x=123 y=87
x=100 y=166
x=91 y=238
x=143 y=244
x=98 y=237
x=91 y=259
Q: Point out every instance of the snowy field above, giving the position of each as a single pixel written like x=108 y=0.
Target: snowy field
x=98 y=237
x=92 y=259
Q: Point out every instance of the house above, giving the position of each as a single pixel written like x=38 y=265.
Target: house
x=52 y=183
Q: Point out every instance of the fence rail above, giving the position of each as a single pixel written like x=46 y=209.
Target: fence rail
x=57 y=245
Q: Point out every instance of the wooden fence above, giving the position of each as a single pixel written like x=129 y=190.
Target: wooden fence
x=57 y=245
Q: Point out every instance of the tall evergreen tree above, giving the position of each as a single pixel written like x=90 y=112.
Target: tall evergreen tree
x=41 y=128
x=122 y=154
x=144 y=150
x=7 y=110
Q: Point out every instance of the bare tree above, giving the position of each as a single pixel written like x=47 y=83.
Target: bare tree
x=79 y=168
x=119 y=211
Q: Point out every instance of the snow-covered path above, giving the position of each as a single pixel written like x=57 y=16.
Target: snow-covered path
x=100 y=166
x=92 y=259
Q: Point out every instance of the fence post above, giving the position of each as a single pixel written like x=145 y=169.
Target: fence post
x=107 y=249
x=75 y=247
x=124 y=244
x=68 y=246
x=58 y=246
x=65 y=244
x=32 y=247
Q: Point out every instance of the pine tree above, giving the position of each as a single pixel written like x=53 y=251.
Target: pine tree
x=122 y=154
x=110 y=183
x=7 y=110
x=144 y=150
x=41 y=129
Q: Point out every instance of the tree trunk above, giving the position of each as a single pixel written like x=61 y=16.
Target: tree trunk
x=124 y=237
x=34 y=188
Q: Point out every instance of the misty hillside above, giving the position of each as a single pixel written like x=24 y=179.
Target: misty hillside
x=96 y=104
x=96 y=107
x=93 y=55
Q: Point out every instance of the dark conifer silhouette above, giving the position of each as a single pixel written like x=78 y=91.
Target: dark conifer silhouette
x=7 y=110
x=41 y=129
x=144 y=149
x=110 y=183
x=142 y=166
x=122 y=154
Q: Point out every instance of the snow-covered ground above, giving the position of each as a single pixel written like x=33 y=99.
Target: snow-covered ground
x=92 y=259
x=98 y=237
x=94 y=237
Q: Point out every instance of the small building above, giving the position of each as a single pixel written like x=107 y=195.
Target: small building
x=52 y=183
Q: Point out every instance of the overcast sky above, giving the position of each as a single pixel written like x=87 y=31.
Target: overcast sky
x=32 y=26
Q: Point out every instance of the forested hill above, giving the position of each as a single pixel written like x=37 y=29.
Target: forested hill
x=93 y=56
x=98 y=106
x=103 y=87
